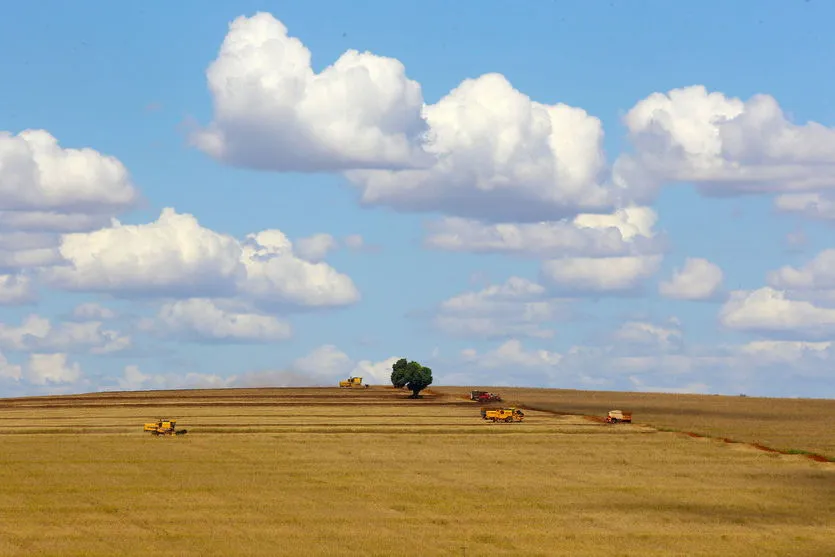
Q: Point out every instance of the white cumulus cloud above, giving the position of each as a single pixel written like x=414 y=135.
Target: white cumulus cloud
x=175 y=256
x=91 y=311
x=664 y=338
x=203 y=319
x=814 y=206
x=510 y=363
x=174 y=253
x=518 y=307
x=767 y=310
x=37 y=333
x=272 y=111
x=592 y=275
x=699 y=279
x=9 y=370
x=817 y=274
x=649 y=357
x=28 y=250
x=500 y=156
x=51 y=221
x=274 y=274
x=485 y=150
x=133 y=379
x=375 y=373
x=627 y=231
x=37 y=174
x=725 y=145
x=315 y=248
x=785 y=351
x=47 y=190
x=43 y=369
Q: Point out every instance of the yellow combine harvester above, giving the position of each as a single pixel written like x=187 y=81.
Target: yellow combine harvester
x=353 y=383
x=164 y=426
x=502 y=414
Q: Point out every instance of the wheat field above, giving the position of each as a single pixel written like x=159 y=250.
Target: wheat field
x=370 y=472
x=784 y=424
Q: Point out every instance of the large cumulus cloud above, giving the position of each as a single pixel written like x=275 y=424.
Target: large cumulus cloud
x=272 y=111
x=46 y=190
x=498 y=155
x=485 y=150
x=37 y=174
x=175 y=256
x=724 y=145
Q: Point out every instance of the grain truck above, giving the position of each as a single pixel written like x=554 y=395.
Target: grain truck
x=618 y=416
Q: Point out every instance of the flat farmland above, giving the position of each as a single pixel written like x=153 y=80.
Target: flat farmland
x=370 y=472
x=784 y=424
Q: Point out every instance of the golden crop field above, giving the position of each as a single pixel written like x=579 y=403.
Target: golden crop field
x=783 y=424
x=370 y=472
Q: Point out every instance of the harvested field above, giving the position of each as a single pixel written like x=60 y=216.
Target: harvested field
x=370 y=472
x=787 y=425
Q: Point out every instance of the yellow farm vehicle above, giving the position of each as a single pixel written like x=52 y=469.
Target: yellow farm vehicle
x=164 y=426
x=502 y=414
x=352 y=383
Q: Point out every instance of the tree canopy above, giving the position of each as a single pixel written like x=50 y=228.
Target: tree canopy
x=411 y=375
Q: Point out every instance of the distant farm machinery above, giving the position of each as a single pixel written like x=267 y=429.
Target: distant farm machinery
x=484 y=396
x=352 y=383
x=164 y=426
x=618 y=417
x=502 y=414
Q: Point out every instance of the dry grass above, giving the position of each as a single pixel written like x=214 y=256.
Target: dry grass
x=783 y=424
x=329 y=472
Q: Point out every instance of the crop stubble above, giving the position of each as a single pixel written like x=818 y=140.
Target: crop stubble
x=369 y=472
x=783 y=424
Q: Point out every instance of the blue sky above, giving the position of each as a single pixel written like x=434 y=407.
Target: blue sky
x=454 y=173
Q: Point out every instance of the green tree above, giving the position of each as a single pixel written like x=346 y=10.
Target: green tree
x=398 y=373
x=411 y=375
